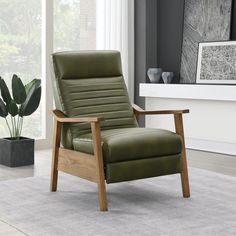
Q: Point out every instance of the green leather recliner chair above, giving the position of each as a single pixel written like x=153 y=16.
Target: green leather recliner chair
x=96 y=134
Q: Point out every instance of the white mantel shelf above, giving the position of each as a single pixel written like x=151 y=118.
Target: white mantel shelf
x=189 y=91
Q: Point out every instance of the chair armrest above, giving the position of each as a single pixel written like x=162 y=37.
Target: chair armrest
x=139 y=111
x=61 y=117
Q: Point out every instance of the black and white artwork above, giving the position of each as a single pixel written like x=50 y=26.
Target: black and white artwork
x=217 y=63
x=204 y=20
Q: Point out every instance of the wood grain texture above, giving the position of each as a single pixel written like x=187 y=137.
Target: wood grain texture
x=136 y=110
x=184 y=174
x=89 y=167
x=139 y=111
x=77 y=163
x=204 y=20
x=61 y=117
x=55 y=152
x=96 y=133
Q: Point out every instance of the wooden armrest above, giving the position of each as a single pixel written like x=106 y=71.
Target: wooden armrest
x=139 y=111
x=61 y=117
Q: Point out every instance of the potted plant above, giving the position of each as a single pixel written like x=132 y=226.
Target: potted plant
x=23 y=101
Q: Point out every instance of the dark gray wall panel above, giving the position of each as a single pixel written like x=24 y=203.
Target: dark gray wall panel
x=151 y=34
x=233 y=21
x=140 y=51
x=158 y=39
x=169 y=31
x=145 y=44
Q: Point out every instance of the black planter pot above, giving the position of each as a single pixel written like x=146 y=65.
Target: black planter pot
x=14 y=153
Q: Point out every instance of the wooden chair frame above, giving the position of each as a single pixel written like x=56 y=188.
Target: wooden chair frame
x=91 y=167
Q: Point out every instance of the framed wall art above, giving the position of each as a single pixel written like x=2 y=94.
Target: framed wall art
x=216 y=63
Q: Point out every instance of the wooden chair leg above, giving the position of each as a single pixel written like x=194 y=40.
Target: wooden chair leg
x=55 y=152
x=102 y=195
x=100 y=167
x=184 y=174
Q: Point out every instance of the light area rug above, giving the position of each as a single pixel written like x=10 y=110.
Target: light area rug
x=146 y=207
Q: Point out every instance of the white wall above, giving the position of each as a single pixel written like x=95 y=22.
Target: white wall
x=210 y=126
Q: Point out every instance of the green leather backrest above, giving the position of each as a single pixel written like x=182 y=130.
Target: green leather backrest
x=90 y=83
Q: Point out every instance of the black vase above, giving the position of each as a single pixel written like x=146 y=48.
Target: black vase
x=14 y=153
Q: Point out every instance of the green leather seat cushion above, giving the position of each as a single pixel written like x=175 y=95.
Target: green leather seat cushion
x=127 y=144
x=143 y=168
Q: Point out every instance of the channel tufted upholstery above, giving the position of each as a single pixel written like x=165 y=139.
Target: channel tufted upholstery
x=90 y=83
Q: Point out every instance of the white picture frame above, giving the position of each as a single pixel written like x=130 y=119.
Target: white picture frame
x=216 y=63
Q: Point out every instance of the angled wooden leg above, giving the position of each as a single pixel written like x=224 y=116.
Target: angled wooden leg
x=100 y=167
x=55 y=152
x=184 y=174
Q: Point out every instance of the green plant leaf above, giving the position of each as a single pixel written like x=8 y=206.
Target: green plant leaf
x=32 y=101
x=34 y=82
x=18 y=90
x=12 y=108
x=6 y=96
x=3 y=109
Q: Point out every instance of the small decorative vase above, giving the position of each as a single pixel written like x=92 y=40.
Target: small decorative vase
x=167 y=77
x=154 y=75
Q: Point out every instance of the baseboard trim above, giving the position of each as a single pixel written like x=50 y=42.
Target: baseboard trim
x=211 y=146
